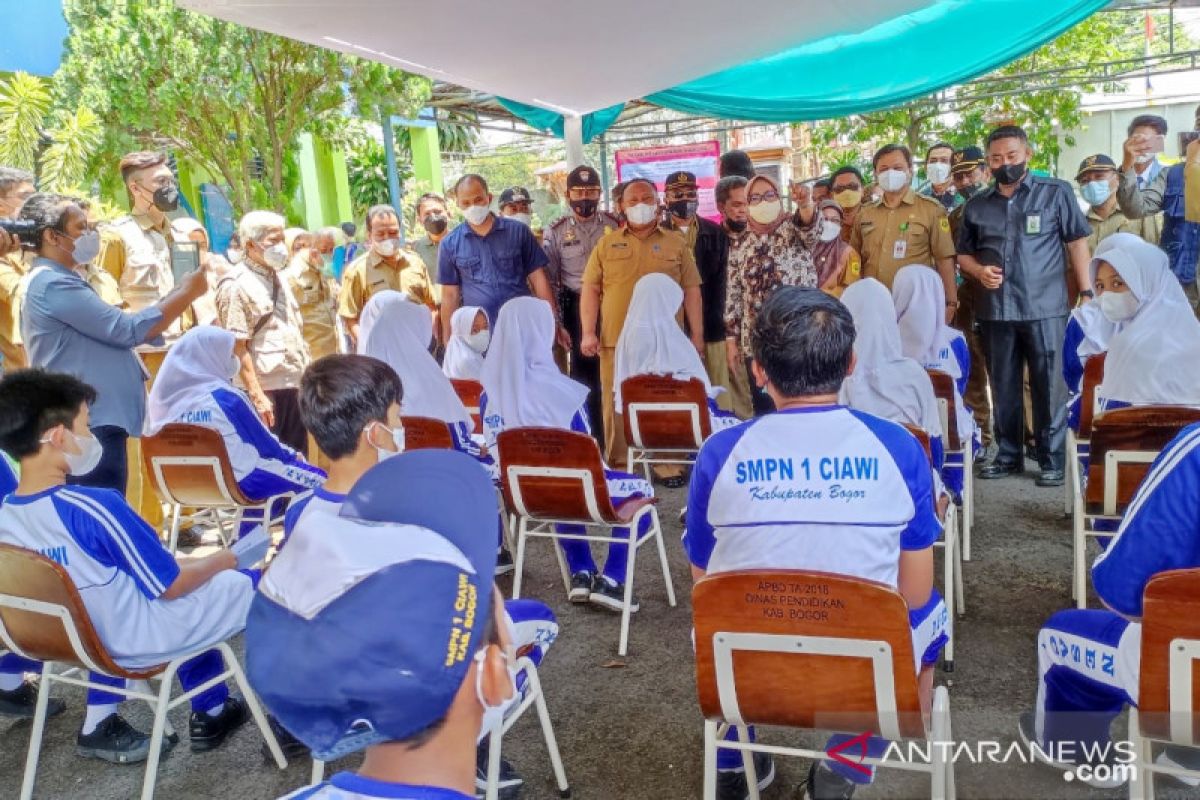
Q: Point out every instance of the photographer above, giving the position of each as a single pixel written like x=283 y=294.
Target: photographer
x=68 y=328
x=16 y=185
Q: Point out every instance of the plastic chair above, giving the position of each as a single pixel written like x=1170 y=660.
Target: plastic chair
x=43 y=617
x=551 y=476
x=814 y=651
x=469 y=392
x=1168 y=708
x=1124 y=442
x=1077 y=443
x=191 y=468
x=426 y=433
x=958 y=452
x=666 y=420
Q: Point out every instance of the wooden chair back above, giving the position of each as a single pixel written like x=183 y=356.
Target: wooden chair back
x=1169 y=692
x=549 y=473
x=809 y=650
x=1093 y=375
x=922 y=437
x=43 y=617
x=663 y=413
x=943 y=390
x=426 y=433
x=190 y=466
x=1124 y=442
x=469 y=392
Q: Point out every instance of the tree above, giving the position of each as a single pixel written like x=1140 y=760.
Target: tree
x=58 y=146
x=229 y=99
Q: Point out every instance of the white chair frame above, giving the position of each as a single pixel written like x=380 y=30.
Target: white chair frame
x=966 y=453
x=1081 y=519
x=529 y=526
x=952 y=579
x=160 y=701
x=940 y=768
x=210 y=513
x=1184 y=655
x=639 y=454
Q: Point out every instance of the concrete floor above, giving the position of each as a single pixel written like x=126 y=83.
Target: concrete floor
x=632 y=729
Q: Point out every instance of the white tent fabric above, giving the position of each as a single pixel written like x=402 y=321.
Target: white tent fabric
x=543 y=52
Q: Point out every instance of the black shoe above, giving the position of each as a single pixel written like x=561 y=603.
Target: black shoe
x=825 y=784
x=290 y=745
x=509 y=782
x=1113 y=778
x=208 y=732
x=22 y=702
x=1000 y=469
x=731 y=784
x=1050 y=477
x=118 y=742
x=609 y=594
x=581 y=587
x=504 y=562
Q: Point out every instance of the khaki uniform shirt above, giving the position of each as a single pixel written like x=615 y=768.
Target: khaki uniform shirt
x=138 y=255
x=274 y=329
x=620 y=259
x=368 y=275
x=1117 y=222
x=318 y=306
x=915 y=232
x=427 y=249
x=13 y=268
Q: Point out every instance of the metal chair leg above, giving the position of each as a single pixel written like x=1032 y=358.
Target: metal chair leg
x=626 y=609
x=39 y=728
x=260 y=719
x=710 y=760
x=519 y=565
x=748 y=764
x=656 y=529
x=158 y=730
x=560 y=774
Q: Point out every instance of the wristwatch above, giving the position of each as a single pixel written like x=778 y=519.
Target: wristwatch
x=1088 y=293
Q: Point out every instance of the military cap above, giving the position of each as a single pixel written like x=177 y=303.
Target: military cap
x=1098 y=161
x=680 y=178
x=514 y=194
x=967 y=159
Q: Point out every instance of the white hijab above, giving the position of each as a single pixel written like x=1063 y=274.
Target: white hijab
x=925 y=337
x=374 y=307
x=461 y=360
x=399 y=334
x=198 y=364
x=652 y=343
x=523 y=384
x=1154 y=358
x=884 y=382
x=1097 y=330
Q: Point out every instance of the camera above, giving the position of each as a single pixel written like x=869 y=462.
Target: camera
x=23 y=229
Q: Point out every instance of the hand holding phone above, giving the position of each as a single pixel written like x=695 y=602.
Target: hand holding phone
x=185 y=259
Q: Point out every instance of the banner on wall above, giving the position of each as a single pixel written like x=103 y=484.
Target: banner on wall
x=656 y=163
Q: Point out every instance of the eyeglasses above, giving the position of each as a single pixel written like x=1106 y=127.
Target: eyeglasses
x=765 y=197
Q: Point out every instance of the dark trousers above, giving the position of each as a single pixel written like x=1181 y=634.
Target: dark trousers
x=584 y=369
x=1036 y=346
x=113 y=470
x=288 y=427
x=976 y=396
x=762 y=402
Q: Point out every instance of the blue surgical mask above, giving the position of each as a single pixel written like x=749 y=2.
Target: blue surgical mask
x=1096 y=192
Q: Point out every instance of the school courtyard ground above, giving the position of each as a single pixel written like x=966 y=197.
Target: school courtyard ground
x=630 y=729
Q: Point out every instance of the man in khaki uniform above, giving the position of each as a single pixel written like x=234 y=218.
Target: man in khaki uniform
x=617 y=262
x=313 y=291
x=903 y=227
x=1098 y=182
x=16 y=186
x=386 y=265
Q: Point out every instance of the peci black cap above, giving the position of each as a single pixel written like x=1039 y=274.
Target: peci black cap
x=1098 y=161
x=514 y=194
x=583 y=176
x=965 y=160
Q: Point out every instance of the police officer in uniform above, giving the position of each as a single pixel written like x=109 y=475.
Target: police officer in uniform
x=568 y=244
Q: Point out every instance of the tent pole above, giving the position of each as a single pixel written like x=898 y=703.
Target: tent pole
x=573 y=134
x=605 y=180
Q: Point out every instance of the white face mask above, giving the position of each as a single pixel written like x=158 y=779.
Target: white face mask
x=477 y=215
x=83 y=462
x=234 y=255
x=766 y=212
x=1118 y=306
x=893 y=180
x=387 y=248
x=235 y=366
x=276 y=256
x=642 y=213
x=937 y=172
x=397 y=434
x=479 y=341
x=87 y=247
x=523 y=218
x=1143 y=158
x=493 y=716
x=830 y=230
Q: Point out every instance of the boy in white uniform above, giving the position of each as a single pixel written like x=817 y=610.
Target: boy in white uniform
x=816 y=486
x=146 y=607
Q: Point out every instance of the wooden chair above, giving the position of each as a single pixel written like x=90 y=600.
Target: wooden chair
x=551 y=476
x=958 y=453
x=43 y=617
x=1077 y=443
x=190 y=468
x=469 y=392
x=1168 y=708
x=666 y=420
x=814 y=651
x=1123 y=444
x=952 y=579
x=426 y=433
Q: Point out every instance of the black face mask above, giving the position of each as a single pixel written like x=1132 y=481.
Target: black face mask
x=435 y=223
x=683 y=209
x=166 y=198
x=969 y=191
x=1009 y=174
x=584 y=208
x=736 y=225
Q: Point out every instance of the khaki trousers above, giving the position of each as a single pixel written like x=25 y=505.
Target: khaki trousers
x=736 y=397
x=614 y=428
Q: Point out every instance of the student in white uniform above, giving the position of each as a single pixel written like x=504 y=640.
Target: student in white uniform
x=652 y=343
x=195 y=385
x=351 y=405
x=1088 y=333
x=415 y=693
x=816 y=486
x=1089 y=659
x=146 y=606
x=523 y=388
x=470 y=335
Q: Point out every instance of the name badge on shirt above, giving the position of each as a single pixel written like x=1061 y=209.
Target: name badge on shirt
x=900 y=248
x=1033 y=223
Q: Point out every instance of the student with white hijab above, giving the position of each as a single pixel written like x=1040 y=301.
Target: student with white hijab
x=652 y=343
x=523 y=388
x=470 y=334
x=195 y=386
x=1088 y=333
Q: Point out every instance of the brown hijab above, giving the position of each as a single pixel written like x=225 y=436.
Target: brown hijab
x=827 y=255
